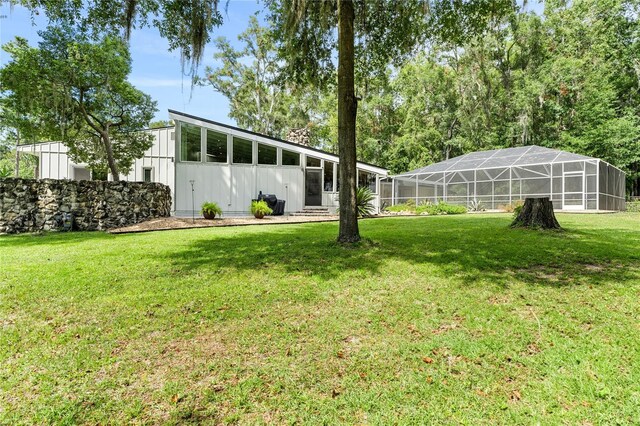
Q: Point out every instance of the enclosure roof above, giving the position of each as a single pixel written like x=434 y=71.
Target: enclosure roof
x=495 y=158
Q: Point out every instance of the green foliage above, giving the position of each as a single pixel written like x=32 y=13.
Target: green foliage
x=249 y=78
x=511 y=207
x=633 y=206
x=476 y=206
x=210 y=207
x=5 y=169
x=399 y=208
x=440 y=208
x=161 y=123
x=517 y=209
x=260 y=208
x=567 y=80
x=427 y=208
x=79 y=91
x=364 y=199
x=28 y=164
x=186 y=25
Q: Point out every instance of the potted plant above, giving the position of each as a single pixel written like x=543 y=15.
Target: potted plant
x=259 y=209
x=210 y=209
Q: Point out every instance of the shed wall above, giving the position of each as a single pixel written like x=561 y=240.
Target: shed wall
x=234 y=186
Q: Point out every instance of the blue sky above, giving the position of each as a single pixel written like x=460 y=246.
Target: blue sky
x=156 y=71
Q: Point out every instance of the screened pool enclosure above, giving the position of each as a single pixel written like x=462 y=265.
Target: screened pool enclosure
x=497 y=178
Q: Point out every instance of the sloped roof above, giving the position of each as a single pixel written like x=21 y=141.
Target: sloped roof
x=519 y=156
x=249 y=132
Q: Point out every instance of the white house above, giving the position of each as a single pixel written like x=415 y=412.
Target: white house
x=226 y=164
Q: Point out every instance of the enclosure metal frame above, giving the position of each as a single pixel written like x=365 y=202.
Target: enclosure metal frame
x=596 y=191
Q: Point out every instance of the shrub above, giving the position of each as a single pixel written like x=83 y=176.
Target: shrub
x=211 y=208
x=397 y=208
x=411 y=203
x=441 y=208
x=476 y=206
x=428 y=207
x=633 y=206
x=260 y=208
x=511 y=207
x=401 y=208
x=364 y=197
x=516 y=210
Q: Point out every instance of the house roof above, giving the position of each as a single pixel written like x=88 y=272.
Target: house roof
x=249 y=132
x=496 y=158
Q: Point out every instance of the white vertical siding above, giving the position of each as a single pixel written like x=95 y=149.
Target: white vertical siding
x=159 y=157
x=234 y=186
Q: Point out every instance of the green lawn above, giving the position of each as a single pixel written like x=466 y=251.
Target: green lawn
x=449 y=319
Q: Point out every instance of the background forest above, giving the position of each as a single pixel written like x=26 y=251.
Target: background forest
x=568 y=78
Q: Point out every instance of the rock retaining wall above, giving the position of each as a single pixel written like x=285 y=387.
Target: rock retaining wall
x=30 y=205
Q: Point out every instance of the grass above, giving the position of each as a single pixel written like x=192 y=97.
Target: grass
x=443 y=319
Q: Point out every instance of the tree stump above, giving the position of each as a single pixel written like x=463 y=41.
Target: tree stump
x=536 y=213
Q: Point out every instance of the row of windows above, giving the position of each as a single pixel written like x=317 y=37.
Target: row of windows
x=217 y=152
x=217 y=149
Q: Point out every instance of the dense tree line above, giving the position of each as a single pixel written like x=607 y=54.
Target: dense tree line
x=568 y=78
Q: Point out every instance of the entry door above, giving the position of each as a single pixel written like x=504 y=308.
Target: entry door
x=313 y=187
x=573 y=194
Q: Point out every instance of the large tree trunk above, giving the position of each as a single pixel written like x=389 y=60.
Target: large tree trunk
x=536 y=213
x=106 y=140
x=347 y=108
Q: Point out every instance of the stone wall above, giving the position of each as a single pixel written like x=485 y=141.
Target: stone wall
x=30 y=205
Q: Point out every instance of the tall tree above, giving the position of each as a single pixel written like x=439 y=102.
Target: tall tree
x=80 y=92
x=249 y=79
x=186 y=25
x=14 y=128
x=370 y=35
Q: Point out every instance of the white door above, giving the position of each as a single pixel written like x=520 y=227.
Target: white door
x=573 y=191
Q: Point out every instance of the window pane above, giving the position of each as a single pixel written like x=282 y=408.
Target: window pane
x=189 y=142
x=216 y=147
x=328 y=176
x=146 y=174
x=290 y=158
x=267 y=154
x=367 y=180
x=242 y=151
x=313 y=162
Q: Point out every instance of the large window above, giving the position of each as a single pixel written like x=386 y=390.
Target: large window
x=328 y=175
x=367 y=180
x=267 y=154
x=242 y=151
x=313 y=162
x=290 y=158
x=190 y=136
x=216 y=147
